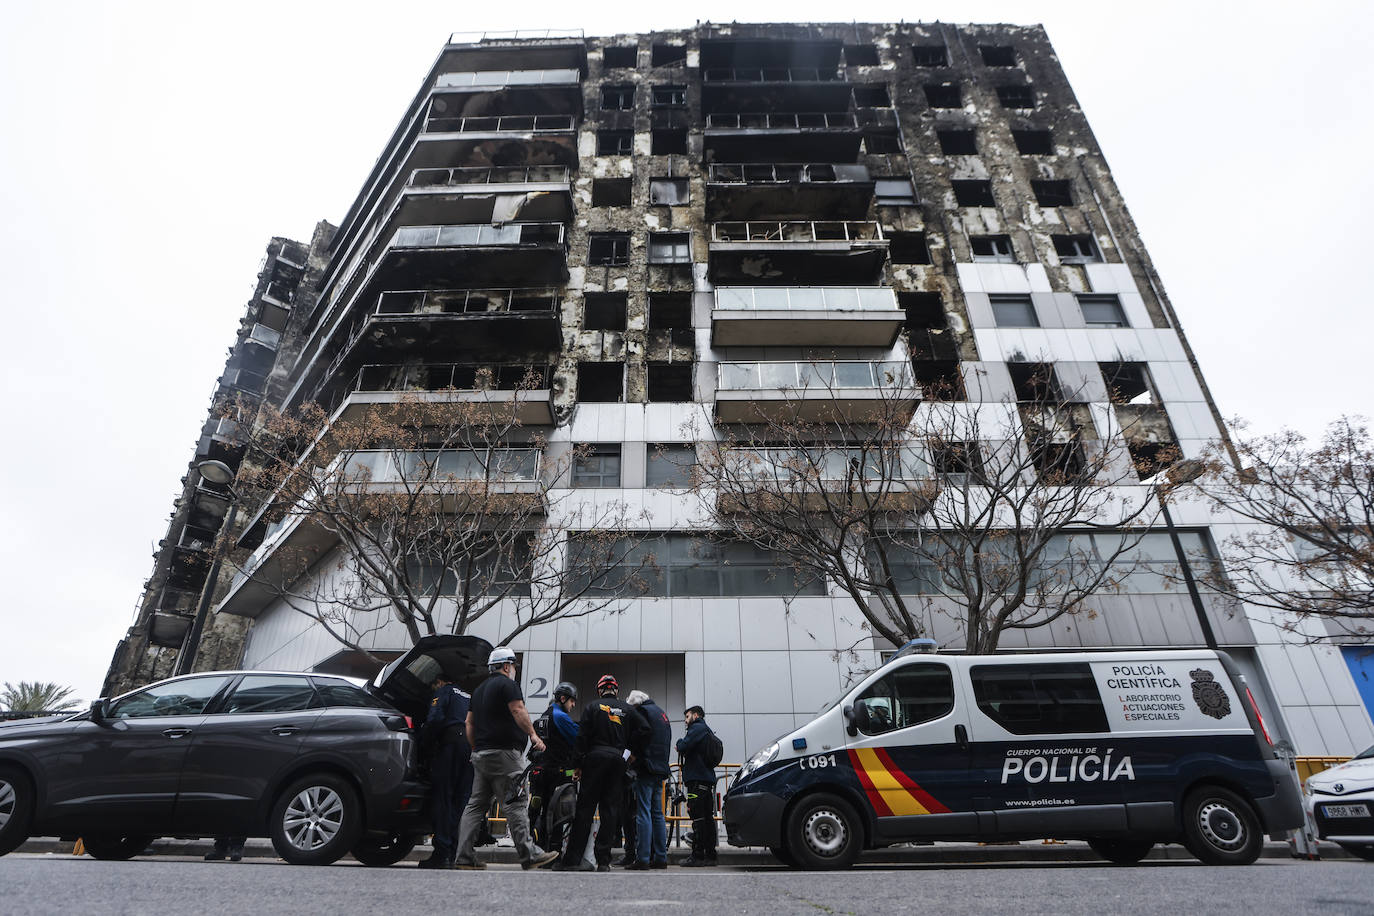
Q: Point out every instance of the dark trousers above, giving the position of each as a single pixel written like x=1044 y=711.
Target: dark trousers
x=450 y=775
x=629 y=823
x=602 y=785
x=545 y=782
x=701 y=807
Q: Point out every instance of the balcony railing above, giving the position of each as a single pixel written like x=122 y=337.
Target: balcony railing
x=466 y=301
x=497 y=79
x=196 y=539
x=536 y=174
x=837 y=374
x=830 y=464
x=769 y=120
x=474 y=38
x=797 y=231
x=451 y=376
x=478 y=235
x=501 y=464
x=771 y=75
x=806 y=298
x=244 y=380
x=785 y=173
x=278 y=293
x=550 y=123
x=264 y=336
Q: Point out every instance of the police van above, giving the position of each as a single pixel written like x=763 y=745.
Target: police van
x=1122 y=749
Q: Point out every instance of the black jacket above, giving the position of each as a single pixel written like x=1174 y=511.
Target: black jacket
x=690 y=746
x=608 y=726
x=651 y=754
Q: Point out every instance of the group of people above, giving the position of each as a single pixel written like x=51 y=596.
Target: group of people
x=614 y=758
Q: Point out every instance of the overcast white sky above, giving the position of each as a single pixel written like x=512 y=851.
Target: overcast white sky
x=148 y=151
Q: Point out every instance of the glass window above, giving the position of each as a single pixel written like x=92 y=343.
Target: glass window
x=995 y=248
x=1076 y=249
x=669 y=248
x=1102 y=311
x=669 y=192
x=271 y=693
x=697 y=566
x=491 y=569
x=905 y=697
x=1014 y=312
x=335 y=691
x=1055 y=699
x=670 y=96
x=183 y=697
x=609 y=249
x=670 y=465
x=597 y=466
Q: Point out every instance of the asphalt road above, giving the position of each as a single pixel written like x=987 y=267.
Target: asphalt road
x=66 y=884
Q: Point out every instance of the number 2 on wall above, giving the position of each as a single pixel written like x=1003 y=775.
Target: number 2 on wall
x=540 y=689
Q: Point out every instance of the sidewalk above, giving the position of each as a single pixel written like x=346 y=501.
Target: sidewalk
x=1030 y=852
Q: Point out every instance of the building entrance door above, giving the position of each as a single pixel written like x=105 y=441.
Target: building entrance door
x=663 y=676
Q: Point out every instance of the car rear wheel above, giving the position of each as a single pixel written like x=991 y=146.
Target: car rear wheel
x=1121 y=852
x=1362 y=850
x=1220 y=828
x=115 y=848
x=382 y=851
x=824 y=832
x=316 y=820
x=784 y=855
x=16 y=808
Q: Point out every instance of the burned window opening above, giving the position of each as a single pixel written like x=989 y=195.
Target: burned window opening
x=604 y=311
x=615 y=142
x=908 y=248
x=923 y=311
x=1033 y=142
x=669 y=192
x=944 y=95
x=1013 y=312
x=670 y=97
x=882 y=141
x=596 y=466
x=1128 y=383
x=993 y=248
x=997 y=55
x=608 y=249
x=619 y=57
x=600 y=383
x=1053 y=193
x=665 y=55
x=1076 y=249
x=973 y=193
x=961 y=460
x=894 y=192
x=670 y=248
x=1056 y=462
x=861 y=55
x=669 y=382
x=957 y=142
x=1035 y=383
x=1016 y=96
x=1103 y=311
x=939 y=379
x=667 y=141
x=930 y=55
x=618 y=98
x=611 y=192
x=872 y=97
x=672 y=312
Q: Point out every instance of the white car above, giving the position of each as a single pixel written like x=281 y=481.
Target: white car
x=1341 y=801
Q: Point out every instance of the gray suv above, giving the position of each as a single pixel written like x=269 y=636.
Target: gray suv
x=321 y=765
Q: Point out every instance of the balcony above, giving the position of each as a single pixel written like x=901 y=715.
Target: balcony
x=753 y=75
x=189 y=561
x=168 y=630
x=531 y=48
x=208 y=506
x=810 y=253
x=786 y=316
x=824 y=391
x=813 y=479
x=221 y=440
x=736 y=191
x=783 y=135
x=485 y=195
x=472 y=255
x=498 y=93
x=452 y=392
x=244 y=381
x=503 y=79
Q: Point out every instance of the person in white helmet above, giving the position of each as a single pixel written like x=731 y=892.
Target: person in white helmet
x=498 y=726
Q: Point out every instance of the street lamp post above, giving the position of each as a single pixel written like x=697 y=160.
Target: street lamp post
x=1180 y=473
x=220 y=473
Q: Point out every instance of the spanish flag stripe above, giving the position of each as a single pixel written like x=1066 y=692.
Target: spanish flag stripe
x=924 y=797
x=898 y=799
x=875 y=798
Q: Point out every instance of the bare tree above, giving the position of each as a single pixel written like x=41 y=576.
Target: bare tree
x=1310 y=550
x=433 y=510
x=1004 y=515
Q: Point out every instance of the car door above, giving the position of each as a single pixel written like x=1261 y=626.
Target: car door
x=120 y=773
x=241 y=750
x=910 y=751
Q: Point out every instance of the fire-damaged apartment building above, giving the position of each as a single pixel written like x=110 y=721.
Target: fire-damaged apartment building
x=648 y=242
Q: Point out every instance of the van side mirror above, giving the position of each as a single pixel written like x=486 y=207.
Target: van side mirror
x=100 y=711
x=849 y=726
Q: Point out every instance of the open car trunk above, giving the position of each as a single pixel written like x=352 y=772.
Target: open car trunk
x=405 y=682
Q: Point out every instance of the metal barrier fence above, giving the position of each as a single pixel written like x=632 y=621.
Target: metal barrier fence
x=1310 y=766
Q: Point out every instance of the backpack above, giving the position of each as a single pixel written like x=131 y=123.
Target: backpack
x=712 y=749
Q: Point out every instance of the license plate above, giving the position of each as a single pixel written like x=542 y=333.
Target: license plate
x=1345 y=810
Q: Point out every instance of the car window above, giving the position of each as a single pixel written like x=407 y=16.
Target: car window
x=338 y=692
x=907 y=696
x=271 y=693
x=184 y=697
x=1040 y=699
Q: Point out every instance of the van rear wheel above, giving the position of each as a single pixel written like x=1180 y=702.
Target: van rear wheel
x=1121 y=852
x=1220 y=828
x=824 y=832
x=784 y=855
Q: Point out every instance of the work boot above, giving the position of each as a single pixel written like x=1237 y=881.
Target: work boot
x=540 y=860
x=694 y=862
x=440 y=858
x=626 y=861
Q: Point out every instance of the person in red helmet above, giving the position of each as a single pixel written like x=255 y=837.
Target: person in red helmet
x=604 y=737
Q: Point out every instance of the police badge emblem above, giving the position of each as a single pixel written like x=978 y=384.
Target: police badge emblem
x=1208 y=695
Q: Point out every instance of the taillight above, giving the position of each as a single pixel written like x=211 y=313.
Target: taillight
x=398 y=723
x=1254 y=707
x=410 y=723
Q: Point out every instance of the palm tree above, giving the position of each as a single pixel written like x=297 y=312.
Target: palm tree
x=35 y=696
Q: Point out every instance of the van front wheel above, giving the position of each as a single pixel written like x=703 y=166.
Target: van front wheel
x=824 y=832
x=1121 y=852
x=1220 y=828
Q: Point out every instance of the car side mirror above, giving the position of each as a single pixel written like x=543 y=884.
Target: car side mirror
x=849 y=725
x=100 y=711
